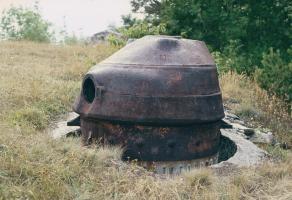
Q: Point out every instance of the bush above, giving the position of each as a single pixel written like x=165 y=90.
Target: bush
x=229 y=59
x=233 y=58
x=275 y=74
x=238 y=32
x=116 y=41
x=136 y=30
x=25 y=24
x=141 y=29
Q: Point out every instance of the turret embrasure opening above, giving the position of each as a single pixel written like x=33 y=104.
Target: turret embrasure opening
x=88 y=90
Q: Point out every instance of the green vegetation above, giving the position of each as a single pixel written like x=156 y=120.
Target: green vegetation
x=39 y=83
x=25 y=24
x=134 y=28
x=250 y=37
x=276 y=74
x=255 y=106
x=245 y=37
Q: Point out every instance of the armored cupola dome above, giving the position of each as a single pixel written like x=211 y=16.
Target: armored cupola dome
x=154 y=80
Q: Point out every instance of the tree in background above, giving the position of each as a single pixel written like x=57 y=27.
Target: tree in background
x=129 y=20
x=239 y=33
x=25 y=24
x=253 y=23
x=276 y=74
x=149 y=7
x=134 y=28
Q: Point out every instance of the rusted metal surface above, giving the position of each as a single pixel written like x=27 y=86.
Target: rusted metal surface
x=154 y=80
x=155 y=143
x=158 y=98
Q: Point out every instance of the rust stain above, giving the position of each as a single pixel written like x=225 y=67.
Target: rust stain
x=160 y=101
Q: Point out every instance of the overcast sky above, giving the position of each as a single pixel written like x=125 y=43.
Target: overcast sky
x=83 y=17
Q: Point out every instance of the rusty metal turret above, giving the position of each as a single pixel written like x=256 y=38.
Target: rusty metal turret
x=159 y=98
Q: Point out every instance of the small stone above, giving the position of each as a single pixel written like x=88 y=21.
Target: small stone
x=262 y=138
x=249 y=132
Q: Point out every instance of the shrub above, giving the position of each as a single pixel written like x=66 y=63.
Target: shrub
x=238 y=31
x=141 y=29
x=25 y=24
x=136 y=30
x=116 y=41
x=233 y=58
x=275 y=74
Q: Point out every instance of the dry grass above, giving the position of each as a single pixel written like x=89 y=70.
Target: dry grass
x=38 y=82
x=256 y=106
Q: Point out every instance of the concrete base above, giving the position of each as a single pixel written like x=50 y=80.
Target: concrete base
x=247 y=153
x=177 y=167
x=61 y=129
